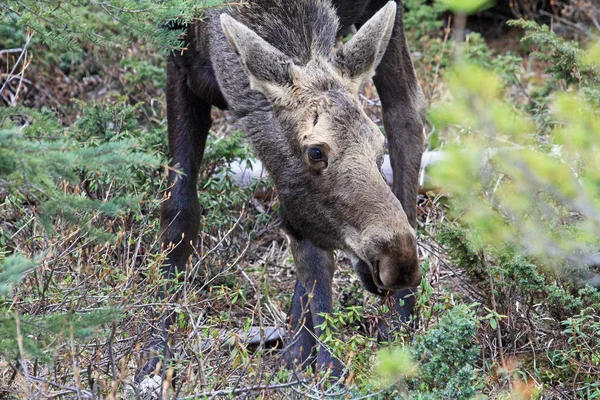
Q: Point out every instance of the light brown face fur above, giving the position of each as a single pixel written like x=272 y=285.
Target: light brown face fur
x=331 y=188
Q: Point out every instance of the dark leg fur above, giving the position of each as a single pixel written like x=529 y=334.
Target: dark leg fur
x=403 y=110
x=401 y=305
x=315 y=271
x=299 y=320
x=189 y=122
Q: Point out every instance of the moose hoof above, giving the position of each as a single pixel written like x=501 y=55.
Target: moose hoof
x=148 y=389
x=151 y=361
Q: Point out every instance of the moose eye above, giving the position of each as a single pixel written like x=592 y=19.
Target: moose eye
x=315 y=119
x=315 y=154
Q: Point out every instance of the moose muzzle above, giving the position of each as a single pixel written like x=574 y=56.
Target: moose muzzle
x=391 y=272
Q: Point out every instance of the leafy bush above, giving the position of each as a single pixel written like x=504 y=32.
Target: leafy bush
x=447 y=355
x=77 y=24
x=524 y=184
x=39 y=162
x=529 y=186
x=46 y=167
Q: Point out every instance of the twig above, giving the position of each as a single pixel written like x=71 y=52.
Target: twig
x=247 y=389
x=74 y=364
x=22 y=73
x=16 y=50
x=494 y=308
x=28 y=388
x=23 y=52
x=111 y=352
x=565 y=21
x=85 y=393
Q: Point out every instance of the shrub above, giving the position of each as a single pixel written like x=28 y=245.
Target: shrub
x=73 y=25
x=447 y=355
x=45 y=167
x=524 y=188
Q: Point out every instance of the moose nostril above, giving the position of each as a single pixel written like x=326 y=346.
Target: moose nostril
x=386 y=270
x=376 y=268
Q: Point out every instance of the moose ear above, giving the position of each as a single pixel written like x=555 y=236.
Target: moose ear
x=358 y=58
x=267 y=68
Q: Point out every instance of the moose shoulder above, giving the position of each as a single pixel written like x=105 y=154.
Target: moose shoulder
x=272 y=63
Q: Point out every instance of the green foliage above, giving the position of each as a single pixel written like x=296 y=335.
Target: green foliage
x=582 y=331
x=39 y=336
x=461 y=251
x=514 y=273
x=448 y=356
x=422 y=19
x=440 y=363
x=528 y=187
x=467 y=6
x=225 y=150
x=566 y=60
x=524 y=186
x=75 y=24
x=356 y=349
x=42 y=159
x=219 y=195
x=12 y=38
x=12 y=269
x=61 y=171
x=393 y=364
x=507 y=66
x=423 y=28
x=142 y=75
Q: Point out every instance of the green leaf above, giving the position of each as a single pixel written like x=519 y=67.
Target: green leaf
x=394 y=364
x=467 y=6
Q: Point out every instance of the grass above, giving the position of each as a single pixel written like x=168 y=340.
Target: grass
x=471 y=308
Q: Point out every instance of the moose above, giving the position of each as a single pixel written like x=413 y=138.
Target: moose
x=275 y=66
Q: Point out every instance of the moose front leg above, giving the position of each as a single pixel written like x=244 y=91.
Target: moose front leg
x=300 y=324
x=312 y=298
x=189 y=122
x=403 y=106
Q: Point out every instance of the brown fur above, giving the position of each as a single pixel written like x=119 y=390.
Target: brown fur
x=273 y=65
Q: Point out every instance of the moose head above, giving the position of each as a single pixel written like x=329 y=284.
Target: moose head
x=323 y=151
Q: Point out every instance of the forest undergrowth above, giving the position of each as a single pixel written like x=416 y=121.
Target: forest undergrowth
x=508 y=220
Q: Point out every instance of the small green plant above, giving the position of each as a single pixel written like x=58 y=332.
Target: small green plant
x=441 y=362
x=583 y=353
x=425 y=34
x=356 y=350
x=565 y=59
x=447 y=356
x=508 y=66
x=393 y=364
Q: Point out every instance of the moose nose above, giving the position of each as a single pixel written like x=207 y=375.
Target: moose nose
x=394 y=274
